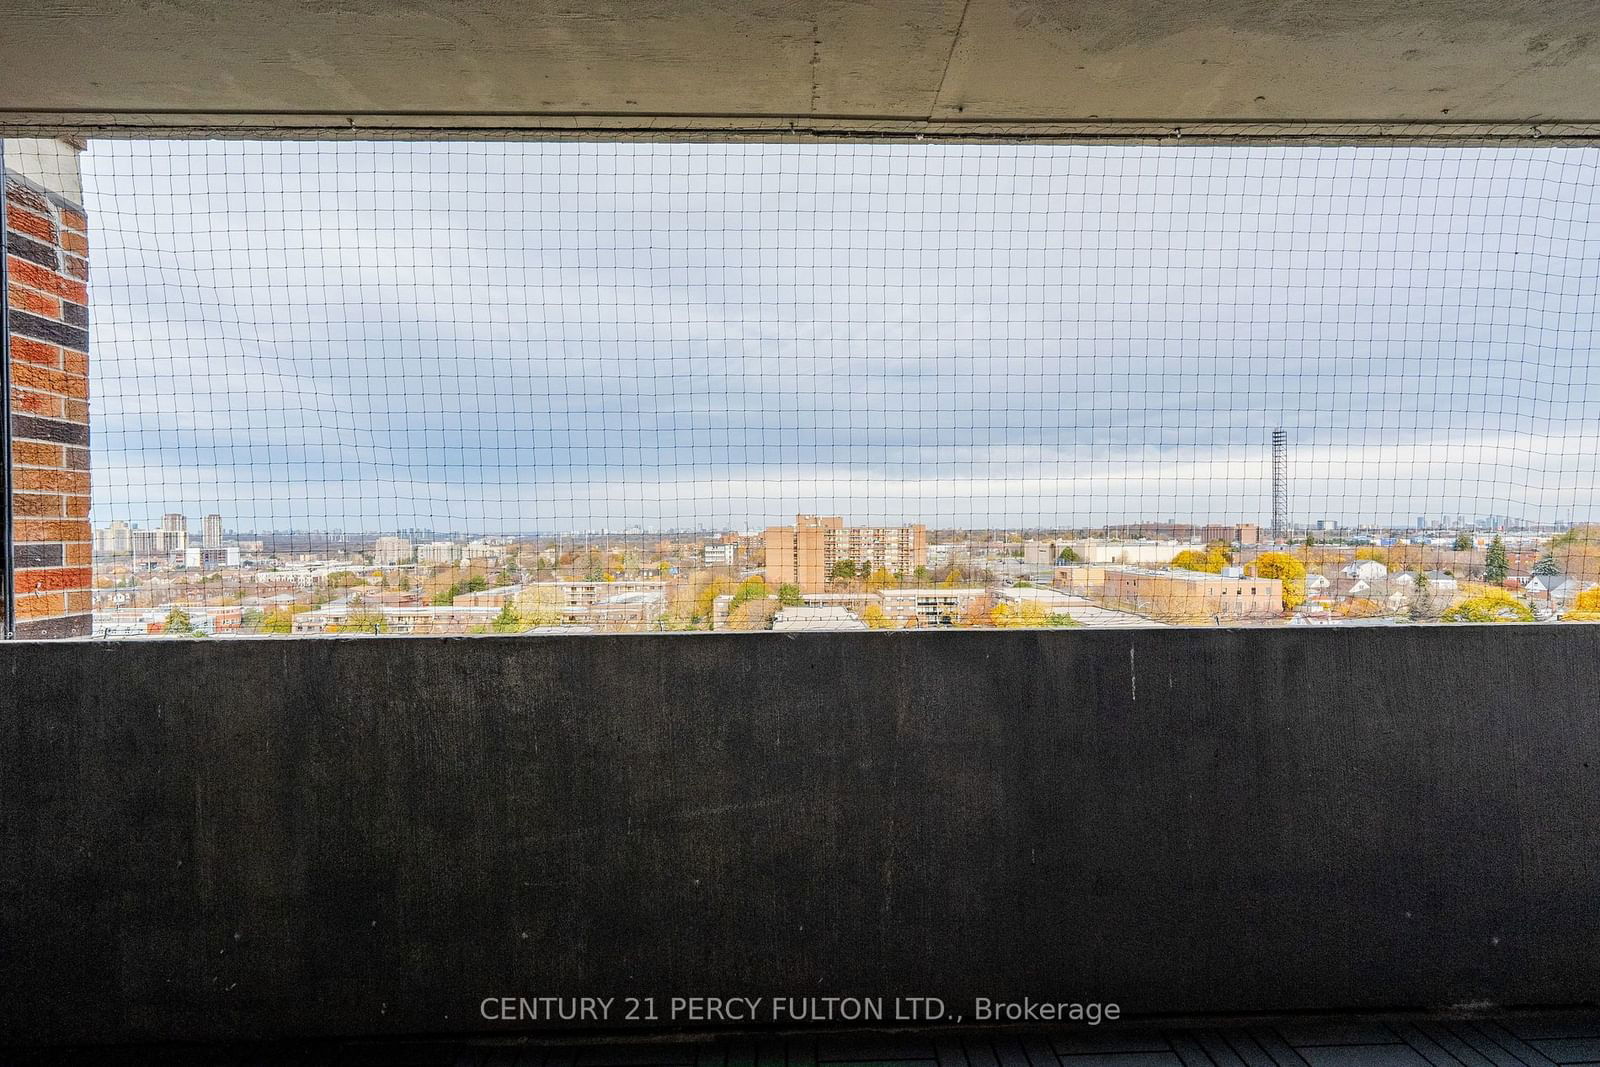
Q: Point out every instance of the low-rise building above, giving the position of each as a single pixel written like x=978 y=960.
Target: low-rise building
x=1192 y=594
x=1134 y=553
x=422 y=619
x=803 y=618
x=931 y=607
x=210 y=559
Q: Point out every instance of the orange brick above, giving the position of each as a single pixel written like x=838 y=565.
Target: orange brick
x=77 y=411
x=74 y=362
x=38 y=480
x=53 y=579
x=40 y=605
x=34 y=303
x=74 y=219
x=79 y=555
x=35 y=530
x=30 y=351
x=31 y=223
x=36 y=454
x=30 y=376
x=77 y=507
x=25 y=272
x=39 y=505
x=80 y=600
x=75 y=242
x=28 y=402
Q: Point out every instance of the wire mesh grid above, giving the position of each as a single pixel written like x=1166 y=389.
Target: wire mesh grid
x=422 y=387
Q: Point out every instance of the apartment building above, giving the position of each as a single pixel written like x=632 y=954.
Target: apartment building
x=805 y=554
x=438 y=552
x=211 y=531
x=390 y=551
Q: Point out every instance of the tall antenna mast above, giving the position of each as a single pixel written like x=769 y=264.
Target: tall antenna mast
x=1280 y=484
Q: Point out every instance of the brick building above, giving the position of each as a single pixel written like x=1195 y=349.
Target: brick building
x=47 y=297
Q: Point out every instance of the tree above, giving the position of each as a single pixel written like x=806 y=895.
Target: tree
x=1547 y=565
x=1496 y=605
x=1495 y=564
x=753 y=588
x=1463 y=543
x=177 y=622
x=843 y=571
x=880 y=579
x=1586 y=608
x=538 y=605
x=789 y=595
x=1211 y=561
x=753 y=614
x=920 y=573
x=1423 y=604
x=876 y=618
x=277 y=622
x=1060 y=619
x=508 y=621
x=1376 y=555
x=1069 y=555
x=1288 y=570
x=1359 y=608
x=365 y=621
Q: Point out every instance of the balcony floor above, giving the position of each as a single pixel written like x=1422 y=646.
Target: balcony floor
x=1535 y=1039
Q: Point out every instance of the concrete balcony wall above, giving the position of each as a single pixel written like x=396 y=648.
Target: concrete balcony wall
x=206 y=839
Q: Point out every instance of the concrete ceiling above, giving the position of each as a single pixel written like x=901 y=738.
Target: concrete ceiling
x=1325 y=70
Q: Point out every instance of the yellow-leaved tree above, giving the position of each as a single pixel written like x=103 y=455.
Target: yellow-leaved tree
x=1586 y=608
x=1288 y=570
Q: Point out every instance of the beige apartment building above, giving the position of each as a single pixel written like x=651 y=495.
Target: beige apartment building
x=1191 y=594
x=805 y=554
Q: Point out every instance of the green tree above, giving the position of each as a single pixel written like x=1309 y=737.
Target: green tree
x=178 y=622
x=789 y=595
x=1495 y=564
x=753 y=588
x=920 y=574
x=843 y=571
x=508 y=621
x=1547 y=565
x=1069 y=555
x=1463 y=543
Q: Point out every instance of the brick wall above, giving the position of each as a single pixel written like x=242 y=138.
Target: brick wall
x=46 y=245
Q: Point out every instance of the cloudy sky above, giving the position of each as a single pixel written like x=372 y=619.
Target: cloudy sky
x=505 y=337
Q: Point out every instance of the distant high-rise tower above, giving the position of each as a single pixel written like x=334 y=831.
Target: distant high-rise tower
x=174 y=532
x=1280 y=484
x=211 y=531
